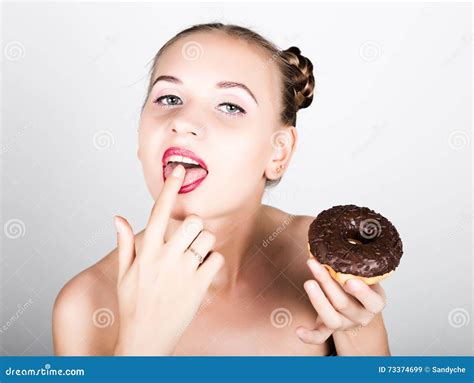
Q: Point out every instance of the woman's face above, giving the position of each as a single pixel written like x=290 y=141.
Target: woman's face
x=220 y=99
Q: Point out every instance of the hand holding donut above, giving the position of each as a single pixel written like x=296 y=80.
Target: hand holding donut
x=161 y=286
x=351 y=249
x=339 y=307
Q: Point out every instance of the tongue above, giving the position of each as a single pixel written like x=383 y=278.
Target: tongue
x=192 y=173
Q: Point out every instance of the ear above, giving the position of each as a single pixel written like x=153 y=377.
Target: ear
x=283 y=143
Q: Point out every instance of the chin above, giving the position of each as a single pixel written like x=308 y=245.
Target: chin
x=183 y=209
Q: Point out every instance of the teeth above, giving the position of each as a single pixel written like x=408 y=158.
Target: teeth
x=181 y=159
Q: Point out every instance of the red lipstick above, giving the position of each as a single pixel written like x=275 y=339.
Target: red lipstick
x=196 y=171
x=175 y=151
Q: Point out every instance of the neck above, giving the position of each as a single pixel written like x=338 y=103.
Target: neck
x=237 y=237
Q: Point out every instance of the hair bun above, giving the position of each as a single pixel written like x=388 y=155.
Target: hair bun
x=302 y=76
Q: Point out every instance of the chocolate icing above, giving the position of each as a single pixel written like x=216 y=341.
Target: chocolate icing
x=355 y=240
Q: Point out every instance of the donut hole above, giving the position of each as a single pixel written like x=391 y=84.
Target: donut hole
x=354 y=241
x=355 y=238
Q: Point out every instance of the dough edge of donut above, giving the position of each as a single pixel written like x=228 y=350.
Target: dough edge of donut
x=344 y=277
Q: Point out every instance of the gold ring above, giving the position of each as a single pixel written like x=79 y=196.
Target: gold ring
x=199 y=256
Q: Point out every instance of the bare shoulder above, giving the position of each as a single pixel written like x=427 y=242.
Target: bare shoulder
x=288 y=253
x=301 y=224
x=295 y=240
x=85 y=311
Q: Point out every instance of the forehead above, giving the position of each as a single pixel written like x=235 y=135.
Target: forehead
x=205 y=58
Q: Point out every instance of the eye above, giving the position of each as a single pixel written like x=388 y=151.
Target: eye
x=168 y=100
x=231 y=109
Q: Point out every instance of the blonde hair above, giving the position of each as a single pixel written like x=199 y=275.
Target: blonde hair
x=296 y=70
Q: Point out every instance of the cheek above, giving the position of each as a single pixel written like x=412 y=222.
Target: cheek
x=149 y=156
x=152 y=173
x=241 y=157
x=148 y=121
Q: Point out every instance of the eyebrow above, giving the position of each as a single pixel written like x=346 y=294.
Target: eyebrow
x=219 y=85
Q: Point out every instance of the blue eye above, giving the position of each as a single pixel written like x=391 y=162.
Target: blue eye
x=232 y=109
x=170 y=100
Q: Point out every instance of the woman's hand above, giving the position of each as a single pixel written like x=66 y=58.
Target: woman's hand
x=161 y=285
x=339 y=308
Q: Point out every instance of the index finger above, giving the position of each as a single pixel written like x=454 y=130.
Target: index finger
x=159 y=216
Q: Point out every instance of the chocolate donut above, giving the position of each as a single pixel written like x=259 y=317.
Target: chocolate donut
x=355 y=242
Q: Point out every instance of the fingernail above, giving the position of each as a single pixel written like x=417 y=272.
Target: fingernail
x=311 y=285
x=178 y=171
x=300 y=332
x=117 y=224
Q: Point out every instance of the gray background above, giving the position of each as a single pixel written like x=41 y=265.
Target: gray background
x=389 y=128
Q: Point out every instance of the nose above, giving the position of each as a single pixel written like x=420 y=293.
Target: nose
x=188 y=122
x=183 y=128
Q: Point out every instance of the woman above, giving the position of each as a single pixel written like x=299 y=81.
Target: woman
x=215 y=271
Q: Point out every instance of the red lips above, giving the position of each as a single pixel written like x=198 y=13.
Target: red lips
x=194 y=174
x=175 y=151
